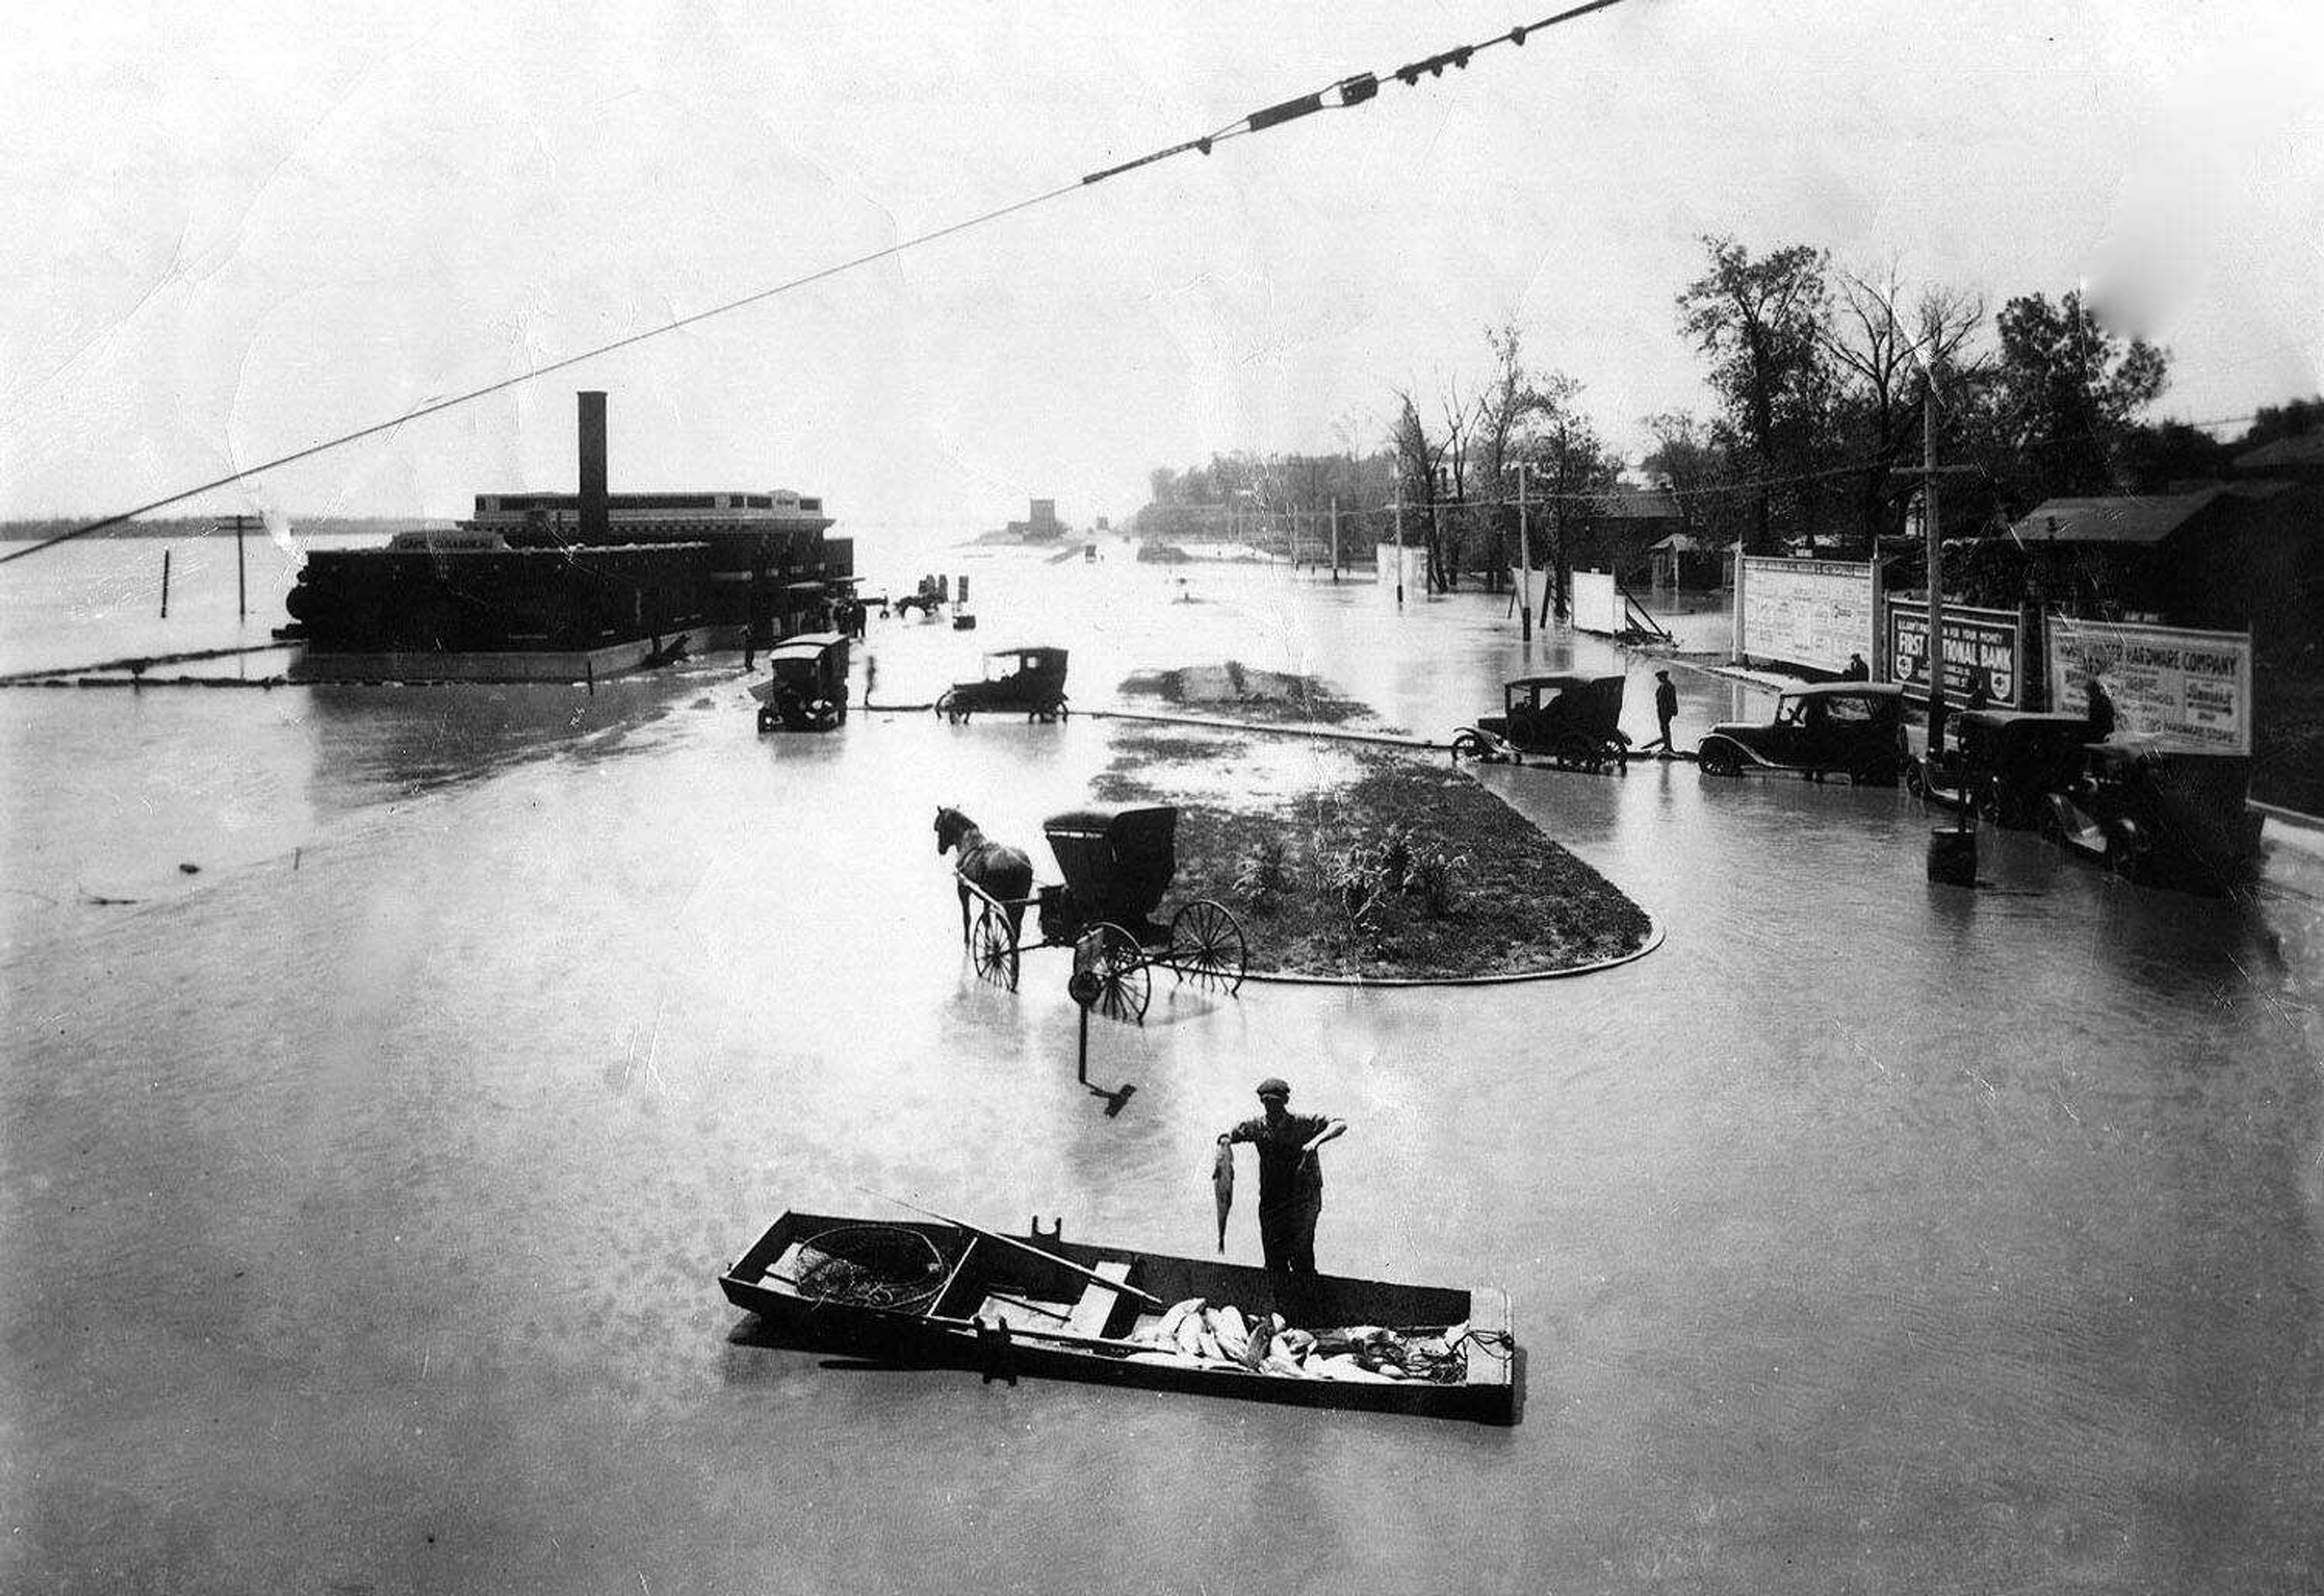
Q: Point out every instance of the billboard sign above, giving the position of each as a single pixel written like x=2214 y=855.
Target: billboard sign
x=1983 y=647
x=1597 y=603
x=1805 y=611
x=2189 y=691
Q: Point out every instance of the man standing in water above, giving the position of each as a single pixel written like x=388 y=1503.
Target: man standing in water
x=1290 y=1180
x=1665 y=712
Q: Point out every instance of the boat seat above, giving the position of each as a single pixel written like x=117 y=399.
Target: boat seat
x=1098 y=1299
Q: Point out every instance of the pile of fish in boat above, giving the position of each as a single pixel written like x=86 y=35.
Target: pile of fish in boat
x=1196 y=1334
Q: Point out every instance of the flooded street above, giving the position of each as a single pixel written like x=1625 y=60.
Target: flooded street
x=365 y=1193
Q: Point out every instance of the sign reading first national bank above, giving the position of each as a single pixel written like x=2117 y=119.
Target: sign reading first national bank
x=1983 y=648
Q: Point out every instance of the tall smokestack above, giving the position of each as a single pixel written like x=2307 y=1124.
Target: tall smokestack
x=595 y=523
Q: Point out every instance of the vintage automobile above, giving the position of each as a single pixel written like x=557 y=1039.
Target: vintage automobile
x=2003 y=764
x=806 y=690
x=1574 y=721
x=1850 y=728
x=2160 y=818
x=1030 y=679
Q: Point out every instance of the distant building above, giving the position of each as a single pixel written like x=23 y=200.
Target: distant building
x=2248 y=553
x=1041 y=526
x=1617 y=530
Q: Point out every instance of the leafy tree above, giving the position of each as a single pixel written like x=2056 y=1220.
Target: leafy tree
x=2063 y=395
x=1760 y=323
x=2160 y=457
x=2288 y=420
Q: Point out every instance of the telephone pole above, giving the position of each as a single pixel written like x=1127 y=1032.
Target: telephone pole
x=241 y=580
x=1928 y=471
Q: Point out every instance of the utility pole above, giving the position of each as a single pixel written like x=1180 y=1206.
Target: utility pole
x=1928 y=472
x=241 y=580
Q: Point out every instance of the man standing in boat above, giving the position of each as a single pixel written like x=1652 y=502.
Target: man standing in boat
x=1290 y=1179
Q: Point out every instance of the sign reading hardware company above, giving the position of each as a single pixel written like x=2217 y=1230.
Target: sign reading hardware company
x=2191 y=690
x=1982 y=647
x=1805 y=611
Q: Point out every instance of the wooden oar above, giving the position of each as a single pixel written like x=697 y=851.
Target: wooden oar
x=1064 y=1263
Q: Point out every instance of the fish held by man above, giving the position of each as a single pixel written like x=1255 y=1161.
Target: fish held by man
x=1222 y=1186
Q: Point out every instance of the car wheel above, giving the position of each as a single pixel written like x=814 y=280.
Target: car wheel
x=1720 y=757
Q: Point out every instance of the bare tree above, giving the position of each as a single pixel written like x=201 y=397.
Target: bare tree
x=1884 y=347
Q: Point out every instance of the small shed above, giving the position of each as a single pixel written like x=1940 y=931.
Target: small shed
x=1684 y=560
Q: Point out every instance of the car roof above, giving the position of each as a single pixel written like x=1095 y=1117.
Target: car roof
x=1836 y=689
x=1552 y=681
x=805 y=642
x=1024 y=649
x=2010 y=717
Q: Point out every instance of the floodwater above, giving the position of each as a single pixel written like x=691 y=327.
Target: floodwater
x=364 y=1193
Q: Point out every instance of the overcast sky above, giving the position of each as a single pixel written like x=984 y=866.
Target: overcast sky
x=235 y=231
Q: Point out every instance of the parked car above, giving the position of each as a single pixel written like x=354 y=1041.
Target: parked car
x=1850 y=728
x=2003 y=763
x=1572 y=721
x=2164 y=819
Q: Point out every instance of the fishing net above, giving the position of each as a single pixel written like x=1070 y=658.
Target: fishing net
x=875 y=1266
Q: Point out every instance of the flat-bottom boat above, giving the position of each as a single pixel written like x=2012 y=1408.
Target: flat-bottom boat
x=952 y=1296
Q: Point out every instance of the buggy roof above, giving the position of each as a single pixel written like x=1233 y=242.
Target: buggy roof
x=1103 y=817
x=1042 y=650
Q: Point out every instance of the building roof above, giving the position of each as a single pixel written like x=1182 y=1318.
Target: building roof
x=2136 y=519
x=1683 y=544
x=1632 y=504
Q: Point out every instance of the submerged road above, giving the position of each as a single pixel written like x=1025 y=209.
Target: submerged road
x=364 y=1205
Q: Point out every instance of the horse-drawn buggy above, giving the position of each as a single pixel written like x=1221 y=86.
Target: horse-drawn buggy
x=1118 y=864
x=1030 y=679
x=931 y=595
x=1574 y=721
x=806 y=690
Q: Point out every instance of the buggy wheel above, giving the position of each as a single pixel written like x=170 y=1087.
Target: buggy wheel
x=992 y=946
x=1913 y=783
x=1122 y=987
x=942 y=706
x=1207 y=946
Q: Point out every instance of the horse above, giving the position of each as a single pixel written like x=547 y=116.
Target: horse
x=998 y=869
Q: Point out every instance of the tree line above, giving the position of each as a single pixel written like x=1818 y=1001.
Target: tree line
x=1819 y=375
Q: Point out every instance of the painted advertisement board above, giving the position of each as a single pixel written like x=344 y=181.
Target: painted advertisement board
x=2189 y=691
x=1597 y=603
x=1982 y=647
x=1805 y=611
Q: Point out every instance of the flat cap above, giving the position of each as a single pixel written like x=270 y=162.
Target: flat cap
x=1274 y=1086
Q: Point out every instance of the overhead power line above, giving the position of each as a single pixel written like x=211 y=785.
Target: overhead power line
x=1344 y=93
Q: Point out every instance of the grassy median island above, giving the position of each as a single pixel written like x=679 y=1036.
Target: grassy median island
x=1346 y=860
